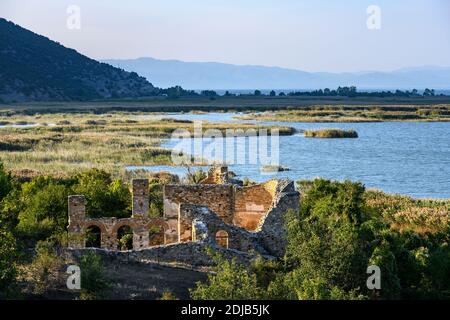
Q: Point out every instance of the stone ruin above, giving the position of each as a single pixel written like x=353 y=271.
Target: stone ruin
x=218 y=212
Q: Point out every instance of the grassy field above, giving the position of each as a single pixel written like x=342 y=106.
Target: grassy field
x=61 y=144
x=358 y=113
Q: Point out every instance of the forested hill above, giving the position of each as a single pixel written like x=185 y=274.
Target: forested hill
x=35 y=68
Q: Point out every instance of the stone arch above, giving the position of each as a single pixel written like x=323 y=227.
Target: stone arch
x=115 y=233
x=93 y=236
x=125 y=234
x=222 y=238
x=102 y=232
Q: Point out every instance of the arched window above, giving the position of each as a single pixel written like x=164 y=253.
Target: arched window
x=155 y=235
x=93 y=237
x=125 y=238
x=222 y=238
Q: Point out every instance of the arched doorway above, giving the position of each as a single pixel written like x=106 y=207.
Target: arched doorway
x=125 y=238
x=155 y=235
x=222 y=238
x=93 y=237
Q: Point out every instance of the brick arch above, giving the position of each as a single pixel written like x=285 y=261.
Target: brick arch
x=222 y=238
x=98 y=224
x=119 y=224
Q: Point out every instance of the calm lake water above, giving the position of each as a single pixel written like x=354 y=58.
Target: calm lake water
x=411 y=158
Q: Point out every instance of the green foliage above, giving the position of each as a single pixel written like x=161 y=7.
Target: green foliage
x=5 y=182
x=231 y=282
x=41 y=208
x=104 y=197
x=45 y=264
x=168 y=296
x=94 y=283
x=8 y=256
x=338 y=232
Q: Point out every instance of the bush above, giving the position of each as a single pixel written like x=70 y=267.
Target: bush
x=231 y=282
x=104 y=197
x=42 y=207
x=8 y=256
x=5 y=182
x=94 y=283
x=45 y=265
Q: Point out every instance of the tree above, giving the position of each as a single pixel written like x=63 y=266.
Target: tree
x=104 y=196
x=41 y=209
x=232 y=281
x=257 y=93
x=94 y=283
x=8 y=257
x=273 y=93
x=5 y=182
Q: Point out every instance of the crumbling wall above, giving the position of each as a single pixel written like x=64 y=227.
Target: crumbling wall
x=204 y=225
x=219 y=198
x=251 y=204
x=246 y=219
x=140 y=223
x=271 y=228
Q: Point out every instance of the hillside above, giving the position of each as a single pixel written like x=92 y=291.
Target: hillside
x=35 y=68
x=213 y=75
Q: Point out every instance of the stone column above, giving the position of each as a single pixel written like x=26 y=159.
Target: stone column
x=140 y=198
x=77 y=215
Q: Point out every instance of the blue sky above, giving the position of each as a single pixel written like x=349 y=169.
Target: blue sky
x=309 y=35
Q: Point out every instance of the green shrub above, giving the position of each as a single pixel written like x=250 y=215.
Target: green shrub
x=94 y=283
x=8 y=257
x=232 y=281
x=42 y=209
x=104 y=196
x=45 y=266
x=5 y=182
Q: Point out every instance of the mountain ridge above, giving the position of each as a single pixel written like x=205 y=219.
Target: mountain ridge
x=36 y=68
x=218 y=75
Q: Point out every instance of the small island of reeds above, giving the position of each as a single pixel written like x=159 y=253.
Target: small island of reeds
x=330 y=133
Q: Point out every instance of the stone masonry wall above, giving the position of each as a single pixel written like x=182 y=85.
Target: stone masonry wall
x=140 y=222
x=219 y=198
x=251 y=205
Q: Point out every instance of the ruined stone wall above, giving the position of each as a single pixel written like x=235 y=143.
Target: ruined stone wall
x=204 y=226
x=271 y=228
x=252 y=203
x=140 y=223
x=247 y=219
x=219 y=198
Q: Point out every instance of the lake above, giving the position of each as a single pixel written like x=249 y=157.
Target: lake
x=411 y=158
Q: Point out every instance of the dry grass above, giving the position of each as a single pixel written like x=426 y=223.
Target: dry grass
x=335 y=113
x=407 y=214
x=74 y=142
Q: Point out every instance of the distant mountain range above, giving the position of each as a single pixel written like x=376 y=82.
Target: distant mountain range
x=213 y=75
x=35 y=68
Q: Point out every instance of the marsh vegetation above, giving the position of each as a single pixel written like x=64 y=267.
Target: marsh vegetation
x=79 y=141
x=356 y=113
x=330 y=133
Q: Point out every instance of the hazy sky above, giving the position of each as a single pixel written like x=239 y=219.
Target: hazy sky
x=312 y=35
